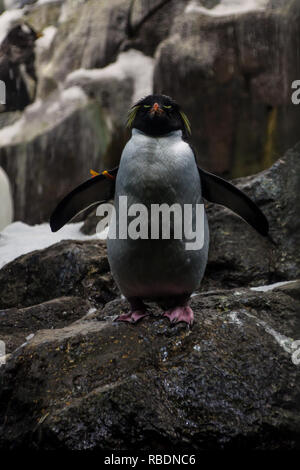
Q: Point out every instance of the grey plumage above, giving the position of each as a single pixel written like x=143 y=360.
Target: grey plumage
x=157 y=170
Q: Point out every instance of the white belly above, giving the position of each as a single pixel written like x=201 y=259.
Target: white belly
x=157 y=171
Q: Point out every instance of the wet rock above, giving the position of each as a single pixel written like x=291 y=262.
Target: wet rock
x=49 y=151
x=238 y=255
x=229 y=382
x=232 y=82
x=151 y=23
x=89 y=39
x=17 y=324
x=292 y=289
x=68 y=268
x=116 y=88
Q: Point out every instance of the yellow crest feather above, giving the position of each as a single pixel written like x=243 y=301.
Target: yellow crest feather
x=131 y=116
x=186 y=122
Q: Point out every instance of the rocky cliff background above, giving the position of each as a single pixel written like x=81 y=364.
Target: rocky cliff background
x=230 y=64
x=72 y=378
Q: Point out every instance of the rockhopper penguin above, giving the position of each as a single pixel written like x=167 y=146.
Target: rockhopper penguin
x=158 y=166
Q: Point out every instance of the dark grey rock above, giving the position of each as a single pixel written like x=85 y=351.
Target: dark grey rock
x=233 y=84
x=52 y=150
x=238 y=255
x=225 y=384
x=151 y=23
x=68 y=268
x=16 y=324
x=89 y=37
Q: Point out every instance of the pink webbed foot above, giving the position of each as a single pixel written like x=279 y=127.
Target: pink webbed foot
x=137 y=312
x=180 y=314
x=133 y=316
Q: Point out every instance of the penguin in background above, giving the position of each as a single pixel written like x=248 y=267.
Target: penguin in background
x=17 y=67
x=158 y=166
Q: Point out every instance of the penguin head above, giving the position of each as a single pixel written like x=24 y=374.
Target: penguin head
x=19 y=43
x=157 y=115
x=22 y=36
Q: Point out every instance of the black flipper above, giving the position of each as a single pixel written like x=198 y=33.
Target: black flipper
x=93 y=191
x=217 y=190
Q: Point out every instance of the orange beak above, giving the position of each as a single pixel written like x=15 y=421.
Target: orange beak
x=156 y=109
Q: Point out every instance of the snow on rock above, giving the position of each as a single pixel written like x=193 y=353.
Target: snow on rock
x=43 y=2
x=19 y=238
x=8 y=134
x=228 y=7
x=34 y=121
x=45 y=41
x=288 y=344
x=270 y=286
x=6 y=202
x=8 y=20
x=131 y=64
x=12 y=4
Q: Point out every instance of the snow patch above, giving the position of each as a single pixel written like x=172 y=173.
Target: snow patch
x=34 y=121
x=228 y=7
x=270 y=286
x=45 y=41
x=6 y=206
x=36 y=105
x=8 y=20
x=73 y=94
x=288 y=344
x=43 y=2
x=9 y=134
x=131 y=64
x=18 y=238
x=69 y=97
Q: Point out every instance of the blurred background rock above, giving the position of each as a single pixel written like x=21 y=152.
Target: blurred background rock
x=229 y=63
